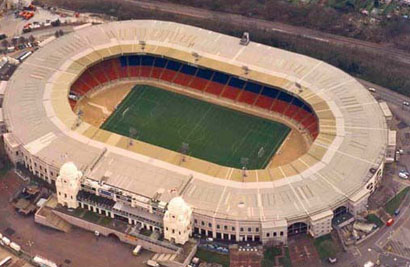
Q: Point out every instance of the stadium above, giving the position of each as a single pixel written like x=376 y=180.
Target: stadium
x=263 y=144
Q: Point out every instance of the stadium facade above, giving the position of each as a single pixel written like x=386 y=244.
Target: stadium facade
x=342 y=167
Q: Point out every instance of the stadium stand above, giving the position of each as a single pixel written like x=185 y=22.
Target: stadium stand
x=205 y=80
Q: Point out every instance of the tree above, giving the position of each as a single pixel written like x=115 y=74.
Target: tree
x=61 y=32
x=57 y=34
x=14 y=41
x=22 y=40
x=31 y=38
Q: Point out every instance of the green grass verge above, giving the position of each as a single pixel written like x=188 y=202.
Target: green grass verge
x=213 y=133
x=285 y=261
x=91 y=216
x=269 y=256
x=212 y=257
x=105 y=221
x=372 y=218
x=7 y=166
x=325 y=247
x=395 y=202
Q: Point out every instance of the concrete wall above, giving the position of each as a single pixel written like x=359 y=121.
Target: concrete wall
x=107 y=231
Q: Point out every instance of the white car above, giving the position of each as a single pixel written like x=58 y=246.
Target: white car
x=403 y=175
x=371 y=89
x=406 y=103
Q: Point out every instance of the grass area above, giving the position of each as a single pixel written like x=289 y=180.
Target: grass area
x=91 y=216
x=269 y=256
x=78 y=212
x=212 y=257
x=395 y=202
x=145 y=232
x=325 y=247
x=285 y=261
x=372 y=218
x=105 y=221
x=213 y=133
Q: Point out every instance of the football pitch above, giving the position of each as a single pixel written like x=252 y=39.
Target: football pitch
x=200 y=129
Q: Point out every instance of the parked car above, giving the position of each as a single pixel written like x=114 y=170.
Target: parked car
x=406 y=103
x=390 y=222
x=403 y=175
x=332 y=260
x=397 y=212
x=371 y=89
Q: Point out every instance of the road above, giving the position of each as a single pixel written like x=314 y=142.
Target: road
x=273 y=26
x=393 y=99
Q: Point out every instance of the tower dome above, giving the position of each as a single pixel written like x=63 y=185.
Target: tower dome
x=69 y=171
x=177 y=205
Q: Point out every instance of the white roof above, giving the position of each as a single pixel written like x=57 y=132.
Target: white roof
x=392 y=138
x=3 y=85
x=385 y=109
x=352 y=139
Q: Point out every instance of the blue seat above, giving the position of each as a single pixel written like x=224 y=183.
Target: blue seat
x=270 y=92
x=134 y=60
x=235 y=82
x=220 y=77
x=189 y=70
x=204 y=74
x=147 y=60
x=160 y=62
x=123 y=61
x=173 y=65
x=253 y=87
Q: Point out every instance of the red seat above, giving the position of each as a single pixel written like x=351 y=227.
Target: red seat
x=122 y=71
x=301 y=115
x=214 y=88
x=88 y=79
x=134 y=71
x=248 y=97
x=198 y=83
x=156 y=72
x=279 y=106
x=182 y=79
x=98 y=73
x=168 y=75
x=264 y=102
x=310 y=119
x=145 y=71
x=108 y=67
x=230 y=92
x=291 y=111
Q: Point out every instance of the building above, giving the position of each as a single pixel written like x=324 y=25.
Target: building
x=386 y=112
x=68 y=185
x=178 y=221
x=341 y=168
x=391 y=147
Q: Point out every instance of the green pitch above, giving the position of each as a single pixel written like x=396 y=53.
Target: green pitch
x=213 y=133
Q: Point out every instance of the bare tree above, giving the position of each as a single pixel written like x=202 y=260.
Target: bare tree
x=57 y=34
x=14 y=41
x=61 y=32
x=5 y=43
x=22 y=40
x=31 y=38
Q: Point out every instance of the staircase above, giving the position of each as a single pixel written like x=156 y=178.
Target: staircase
x=46 y=217
x=159 y=257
